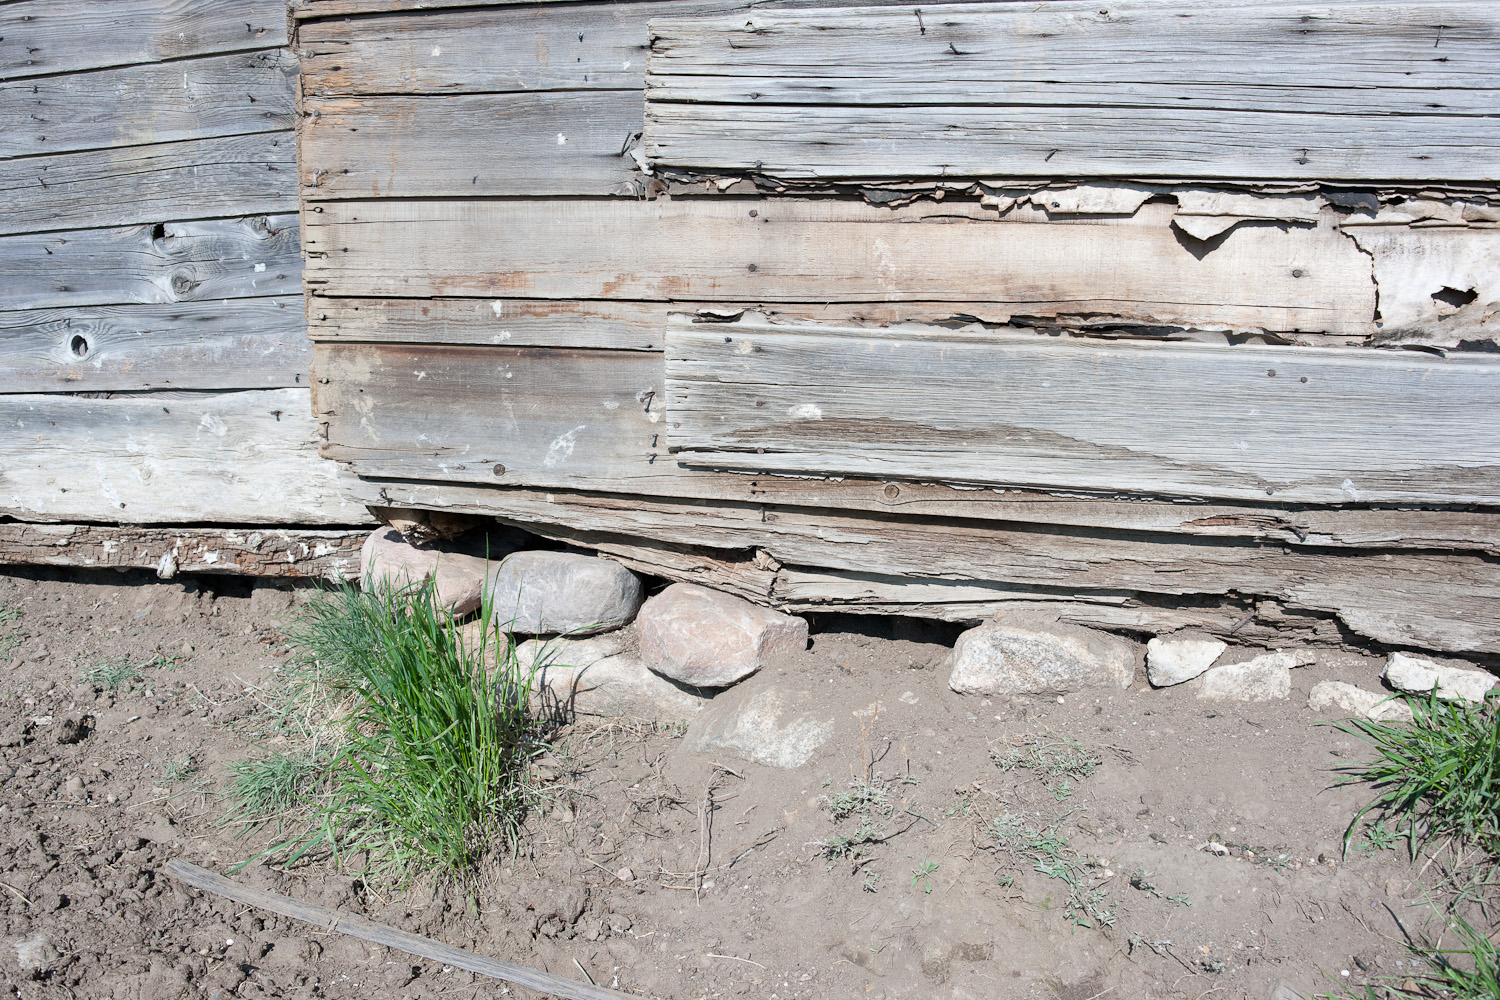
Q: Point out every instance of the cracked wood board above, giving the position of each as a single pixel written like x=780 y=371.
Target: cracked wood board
x=236 y=457
x=282 y=552
x=810 y=250
x=1067 y=89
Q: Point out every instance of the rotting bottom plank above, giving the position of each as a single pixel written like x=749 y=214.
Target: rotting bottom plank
x=330 y=554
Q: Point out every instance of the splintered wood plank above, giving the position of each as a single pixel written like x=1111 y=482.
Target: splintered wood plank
x=1247 y=422
x=235 y=458
x=624 y=326
x=175 y=262
x=1141 y=89
x=238 y=344
x=299 y=552
x=235 y=175
x=732 y=249
x=462 y=145
x=157 y=102
x=1439 y=285
x=67 y=36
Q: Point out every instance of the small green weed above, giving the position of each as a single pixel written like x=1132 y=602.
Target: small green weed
x=112 y=675
x=1138 y=880
x=1047 y=755
x=864 y=797
x=274 y=786
x=9 y=614
x=1180 y=897
x=924 y=874
x=1052 y=856
x=1377 y=837
x=871 y=882
x=180 y=769
x=1063 y=790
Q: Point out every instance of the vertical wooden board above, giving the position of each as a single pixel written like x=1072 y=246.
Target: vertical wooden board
x=511 y=414
x=43 y=37
x=199 y=178
x=825 y=251
x=175 y=262
x=1317 y=425
x=156 y=102
x=234 y=344
x=621 y=326
x=471 y=146
x=230 y=458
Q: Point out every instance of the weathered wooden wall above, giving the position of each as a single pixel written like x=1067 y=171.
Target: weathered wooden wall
x=930 y=310
x=153 y=350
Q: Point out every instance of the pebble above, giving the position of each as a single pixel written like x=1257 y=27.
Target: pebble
x=707 y=639
x=625 y=875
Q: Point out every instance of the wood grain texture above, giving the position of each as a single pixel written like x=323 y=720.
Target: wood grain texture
x=821 y=250
x=175 y=262
x=226 y=458
x=68 y=36
x=1441 y=601
x=1193 y=420
x=295 y=553
x=200 y=178
x=471 y=146
x=1437 y=285
x=156 y=102
x=1380 y=91
x=625 y=326
x=239 y=344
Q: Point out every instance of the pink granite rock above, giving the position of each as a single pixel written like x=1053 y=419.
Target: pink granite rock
x=389 y=558
x=703 y=638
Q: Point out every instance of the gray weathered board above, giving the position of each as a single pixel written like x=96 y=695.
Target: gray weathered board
x=330 y=554
x=225 y=458
x=1305 y=425
x=1341 y=91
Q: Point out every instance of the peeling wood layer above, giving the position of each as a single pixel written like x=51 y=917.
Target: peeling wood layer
x=271 y=552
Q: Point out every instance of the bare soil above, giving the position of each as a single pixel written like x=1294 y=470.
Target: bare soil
x=732 y=892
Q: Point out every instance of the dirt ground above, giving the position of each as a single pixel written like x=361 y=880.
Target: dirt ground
x=733 y=891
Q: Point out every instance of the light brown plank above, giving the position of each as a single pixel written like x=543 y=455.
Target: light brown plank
x=239 y=344
x=819 y=251
x=298 y=552
x=68 y=36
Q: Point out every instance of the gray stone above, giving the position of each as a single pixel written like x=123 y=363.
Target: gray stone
x=1267 y=677
x=390 y=559
x=702 y=638
x=1416 y=675
x=1026 y=654
x=556 y=593
x=603 y=676
x=1331 y=697
x=765 y=728
x=35 y=954
x=1173 y=659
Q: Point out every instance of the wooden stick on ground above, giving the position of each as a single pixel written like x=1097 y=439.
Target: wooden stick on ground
x=348 y=923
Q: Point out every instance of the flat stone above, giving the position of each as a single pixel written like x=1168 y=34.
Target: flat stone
x=556 y=593
x=1331 y=697
x=1267 y=677
x=1173 y=659
x=1026 y=654
x=1416 y=675
x=766 y=728
x=459 y=578
x=603 y=676
x=706 y=639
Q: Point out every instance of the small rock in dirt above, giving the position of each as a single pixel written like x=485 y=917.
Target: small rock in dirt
x=554 y=593
x=765 y=729
x=1327 y=696
x=187 y=649
x=601 y=676
x=459 y=578
x=74 y=729
x=1285 y=991
x=1416 y=675
x=1029 y=654
x=39 y=654
x=159 y=829
x=1266 y=677
x=73 y=787
x=35 y=954
x=1173 y=659
x=707 y=639
x=625 y=875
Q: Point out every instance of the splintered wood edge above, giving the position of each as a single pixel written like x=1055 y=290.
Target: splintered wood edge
x=390 y=937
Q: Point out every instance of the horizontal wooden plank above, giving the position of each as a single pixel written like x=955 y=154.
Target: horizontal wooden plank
x=231 y=458
x=1305 y=425
x=1439 y=601
x=239 y=344
x=199 y=178
x=819 y=250
x=1379 y=91
x=1437 y=285
x=175 y=262
x=624 y=326
x=464 y=145
x=223 y=95
x=67 y=36
x=298 y=552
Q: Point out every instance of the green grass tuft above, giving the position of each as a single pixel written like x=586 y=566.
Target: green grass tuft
x=1048 y=756
x=275 y=786
x=112 y=675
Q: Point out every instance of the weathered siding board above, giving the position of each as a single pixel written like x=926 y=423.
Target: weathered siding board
x=226 y=458
x=199 y=178
x=472 y=146
x=1194 y=420
x=177 y=262
x=156 y=102
x=325 y=554
x=221 y=344
x=1379 y=91
x=1424 y=277
x=42 y=37
x=624 y=326
x=821 y=251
